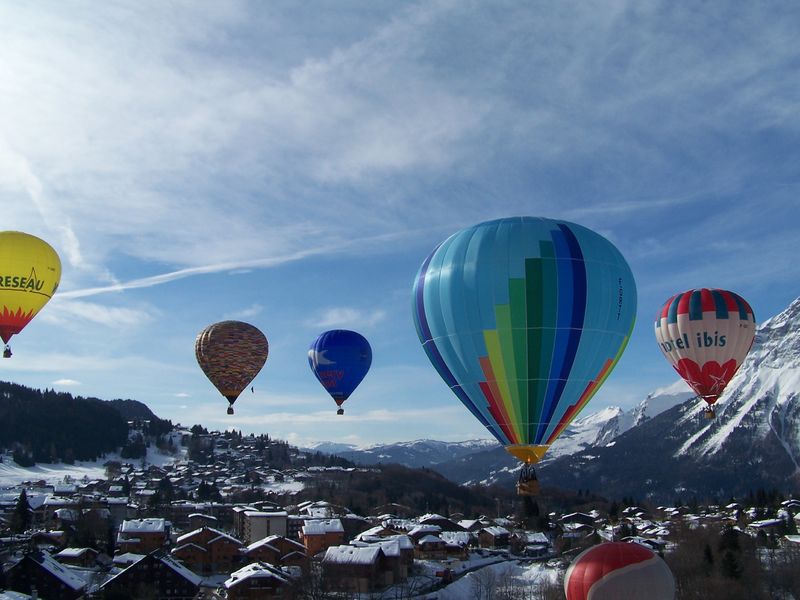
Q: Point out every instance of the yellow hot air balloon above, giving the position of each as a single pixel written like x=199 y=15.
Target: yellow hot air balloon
x=29 y=274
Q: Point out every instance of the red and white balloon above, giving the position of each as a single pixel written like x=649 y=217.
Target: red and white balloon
x=619 y=570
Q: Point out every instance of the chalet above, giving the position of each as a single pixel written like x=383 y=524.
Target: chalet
x=318 y=535
x=278 y=550
x=208 y=550
x=118 y=510
x=379 y=531
x=142 y=536
x=443 y=523
x=534 y=545
x=494 y=537
x=36 y=502
x=48 y=539
x=53 y=509
x=431 y=547
x=767 y=526
x=156 y=575
x=360 y=570
x=77 y=557
x=39 y=571
x=578 y=518
x=473 y=525
x=198 y=520
x=420 y=531
x=259 y=581
x=458 y=543
x=399 y=552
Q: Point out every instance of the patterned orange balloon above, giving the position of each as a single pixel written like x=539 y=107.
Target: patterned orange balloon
x=231 y=354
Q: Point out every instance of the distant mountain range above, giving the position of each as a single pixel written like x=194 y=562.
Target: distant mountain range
x=419 y=453
x=662 y=449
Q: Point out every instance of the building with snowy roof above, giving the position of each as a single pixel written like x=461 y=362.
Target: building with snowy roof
x=278 y=550
x=38 y=570
x=207 y=550
x=318 y=535
x=494 y=537
x=443 y=523
x=78 y=557
x=258 y=581
x=155 y=575
x=142 y=536
x=399 y=552
x=357 y=569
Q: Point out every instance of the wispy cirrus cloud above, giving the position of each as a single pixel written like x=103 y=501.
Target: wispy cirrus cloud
x=62 y=309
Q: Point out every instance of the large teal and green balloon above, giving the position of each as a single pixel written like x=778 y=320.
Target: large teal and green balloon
x=524 y=318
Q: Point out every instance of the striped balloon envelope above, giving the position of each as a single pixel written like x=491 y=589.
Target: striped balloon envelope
x=616 y=571
x=705 y=335
x=524 y=318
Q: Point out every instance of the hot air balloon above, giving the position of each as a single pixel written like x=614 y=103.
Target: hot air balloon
x=340 y=359
x=29 y=274
x=231 y=353
x=615 y=570
x=524 y=318
x=705 y=335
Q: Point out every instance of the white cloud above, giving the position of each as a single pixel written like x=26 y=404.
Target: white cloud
x=62 y=310
x=344 y=317
x=245 y=313
x=66 y=382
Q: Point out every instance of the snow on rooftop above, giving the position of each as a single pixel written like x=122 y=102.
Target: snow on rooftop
x=58 y=570
x=350 y=555
x=420 y=529
x=322 y=526
x=180 y=569
x=257 y=570
x=73 y=552
x=495 y=530
x=144 y=526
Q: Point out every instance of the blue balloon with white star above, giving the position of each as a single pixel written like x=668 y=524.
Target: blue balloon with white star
x=340 y=359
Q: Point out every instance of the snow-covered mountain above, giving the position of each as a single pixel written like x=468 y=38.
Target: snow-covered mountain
x=762 y=398
x=662 y=448
x=605 y=425
x=753 y=443
x=462 y=461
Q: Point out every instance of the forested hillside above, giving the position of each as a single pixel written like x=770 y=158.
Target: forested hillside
x=50 y=426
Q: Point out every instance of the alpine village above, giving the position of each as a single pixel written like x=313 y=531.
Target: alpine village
x=186 y=513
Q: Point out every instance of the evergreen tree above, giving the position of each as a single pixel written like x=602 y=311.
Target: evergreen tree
x=21 y=517
x=731 y=565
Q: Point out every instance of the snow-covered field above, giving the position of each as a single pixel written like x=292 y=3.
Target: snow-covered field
x=11 y=474
x=498 y=575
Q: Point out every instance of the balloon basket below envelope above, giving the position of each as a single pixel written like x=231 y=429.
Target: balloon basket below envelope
x=527 y=484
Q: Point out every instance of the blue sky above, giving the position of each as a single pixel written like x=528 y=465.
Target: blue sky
x=291 y=165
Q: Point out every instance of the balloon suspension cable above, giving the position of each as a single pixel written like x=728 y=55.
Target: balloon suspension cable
x=7 y=352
